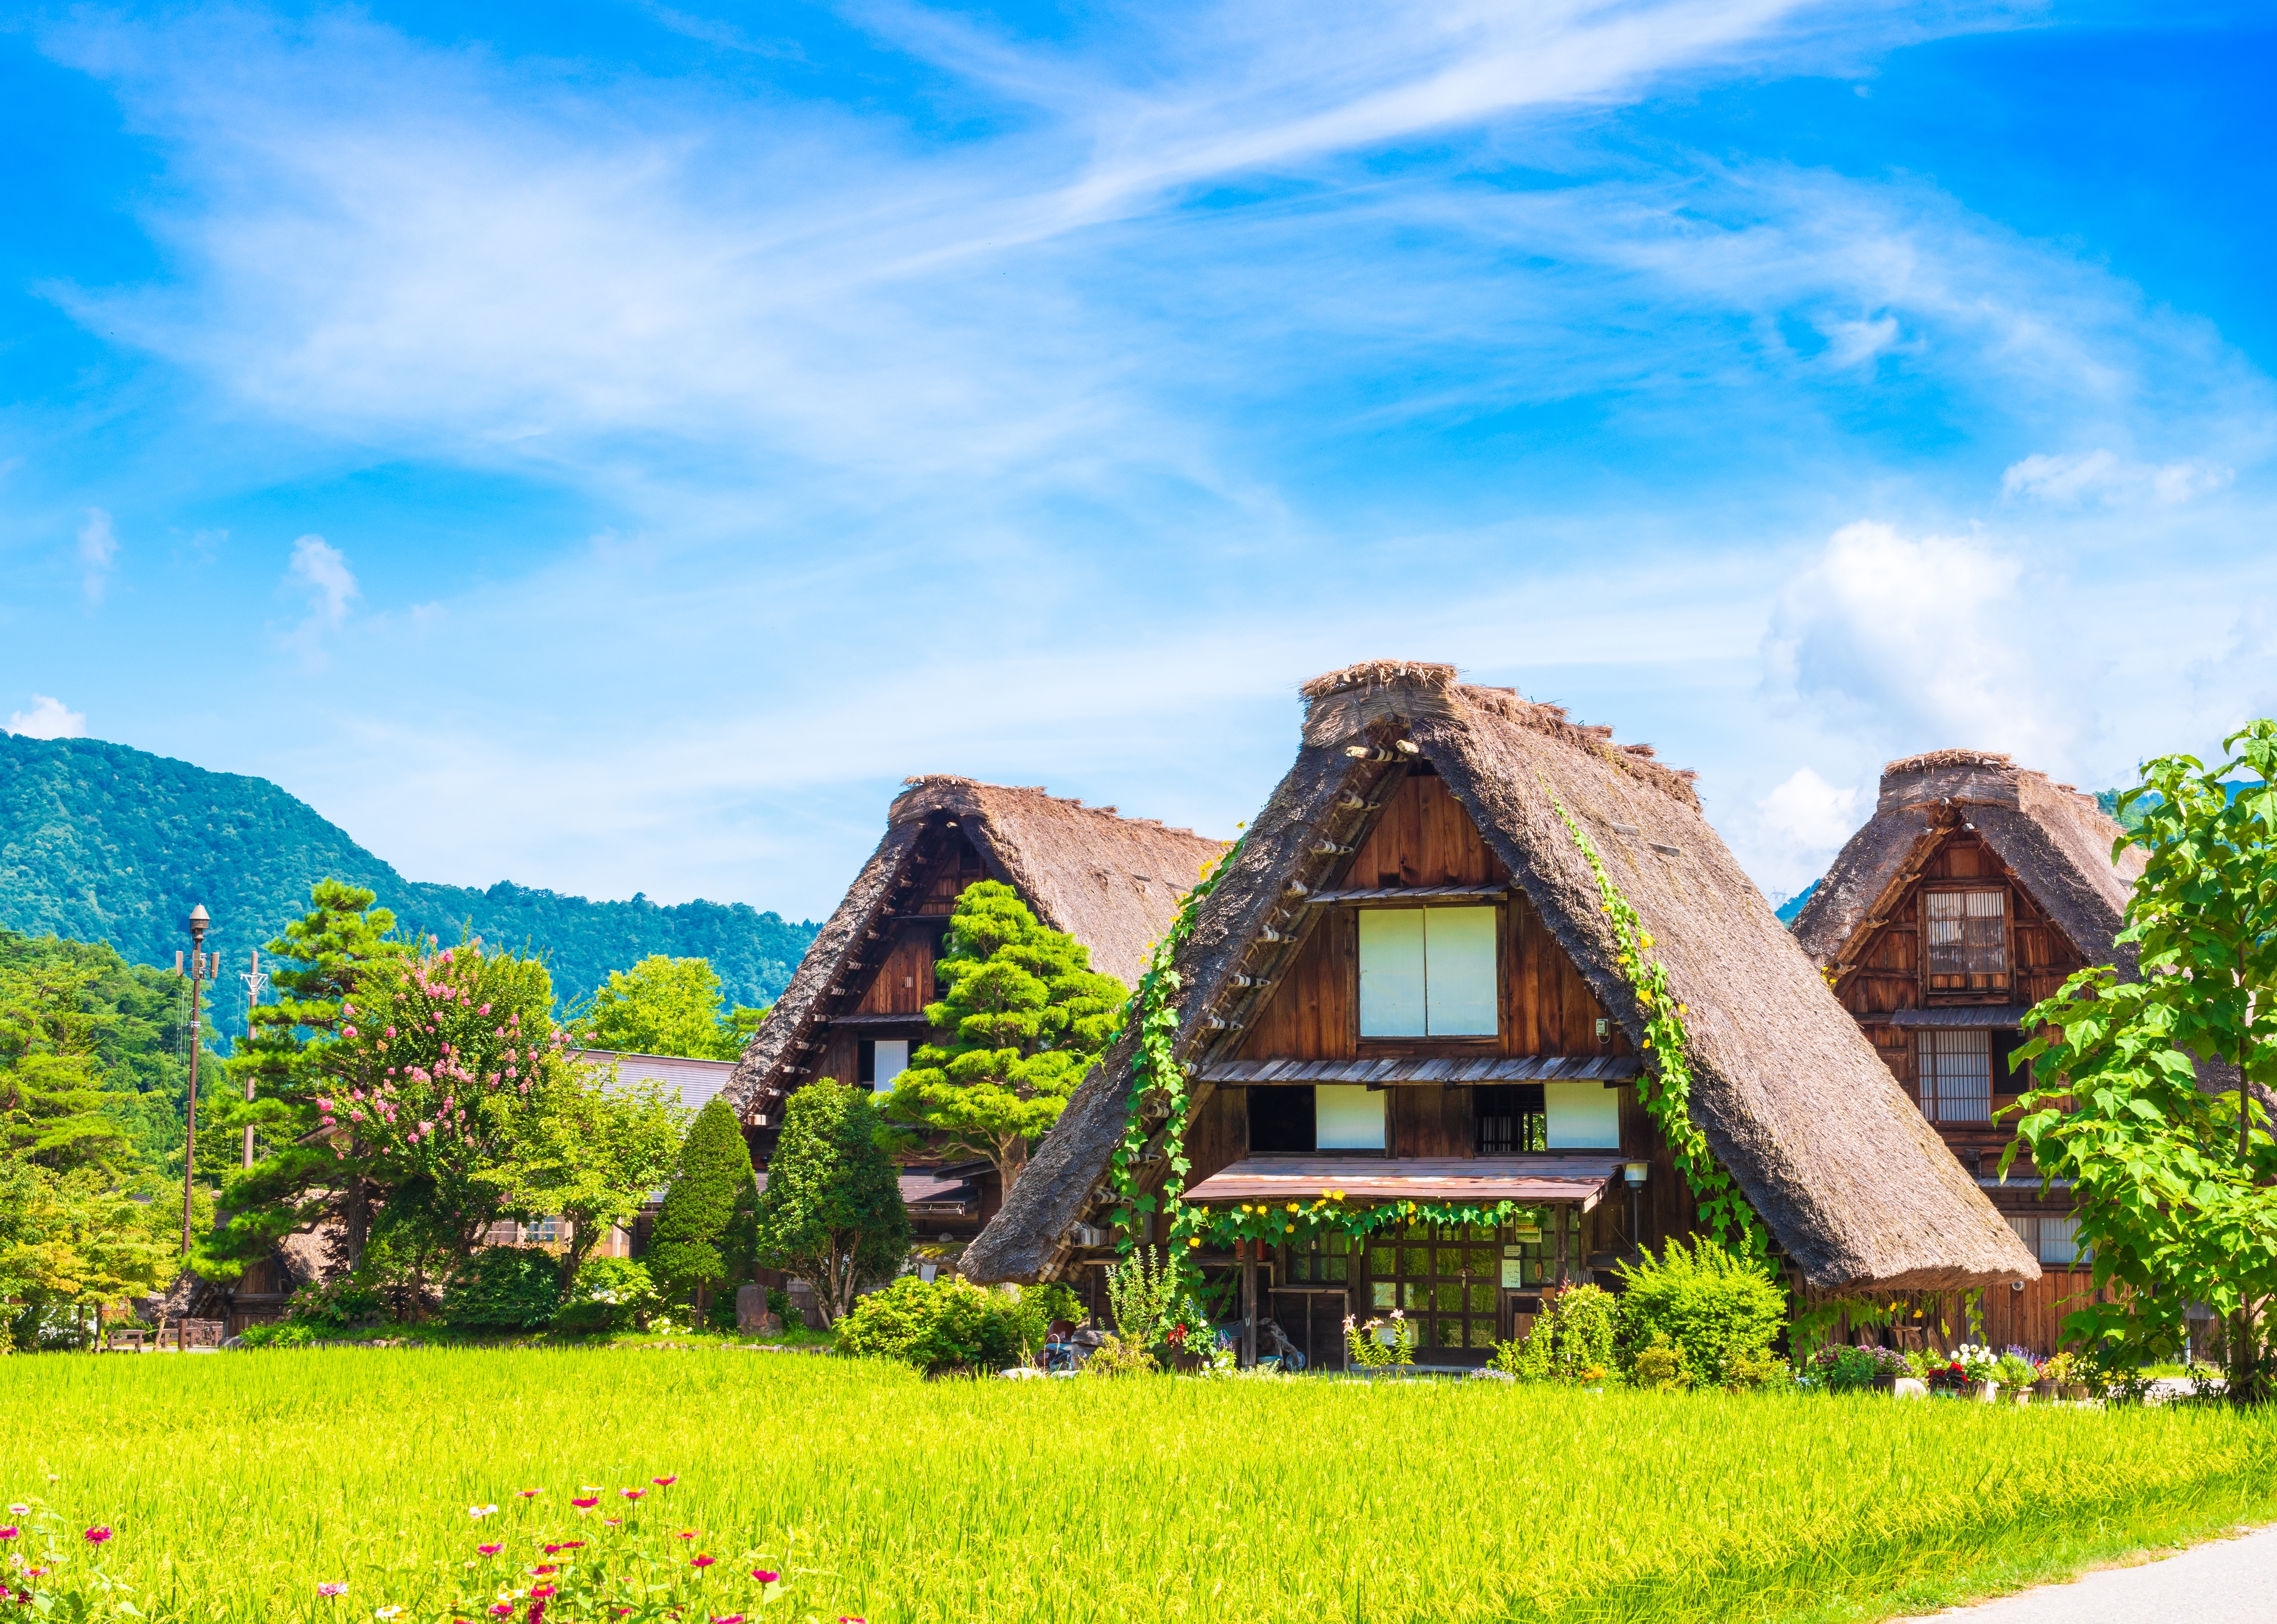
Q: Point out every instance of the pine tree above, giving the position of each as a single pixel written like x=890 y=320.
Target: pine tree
x=685 y=1254
x=832 y=1212
x=56 y=1108
x=297 y=1184
x=1027 y=1014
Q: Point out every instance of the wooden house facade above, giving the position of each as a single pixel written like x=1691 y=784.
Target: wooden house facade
x=1405 y=988
x=1973 y=892
x=854 y=1010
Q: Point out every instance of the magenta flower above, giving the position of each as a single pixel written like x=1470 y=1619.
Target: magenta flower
x=568 y=1544
x=664 y=1482
x=524 y=1494
x=502 y=1610
x=10 y=1532
x=483 y=1011
x=632 y=1494
x=542 y=1592
x=766 y=1576
x=96 y=1536
x=702 y=1561
x=347 y=1031
x=729 y=1618
x=585 y=1504
x=336 y=1588
x=347 y=1009
x=685 y=1534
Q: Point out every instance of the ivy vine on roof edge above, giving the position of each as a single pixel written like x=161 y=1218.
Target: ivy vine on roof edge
x=1664 y=1085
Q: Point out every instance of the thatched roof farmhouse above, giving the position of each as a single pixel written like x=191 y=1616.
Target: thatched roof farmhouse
x=1412 y=790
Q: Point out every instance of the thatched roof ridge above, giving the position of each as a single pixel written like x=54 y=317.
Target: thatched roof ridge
x=2057 y=840
x=1856 y=1185
x=1111 y=882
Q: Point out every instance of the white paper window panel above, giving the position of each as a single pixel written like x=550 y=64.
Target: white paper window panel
x=893 y=1060
x=1459 y=997
x=1429 y=973
x=1348 y=1116
x=1583 y=1116
x=1391 y=973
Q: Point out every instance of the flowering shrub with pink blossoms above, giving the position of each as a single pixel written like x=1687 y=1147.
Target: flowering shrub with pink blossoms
x=436 y=1062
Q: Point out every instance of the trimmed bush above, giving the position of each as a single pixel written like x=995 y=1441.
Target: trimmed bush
x=609 y=1294
x=1710 y=1305
x=504 y=1288
x=950 y=1325
x=684 y=1254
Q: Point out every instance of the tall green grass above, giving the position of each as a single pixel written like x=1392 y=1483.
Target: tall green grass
x=237 y=1481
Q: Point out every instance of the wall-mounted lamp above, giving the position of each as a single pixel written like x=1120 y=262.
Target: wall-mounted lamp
x=1636 y=1174
x=1604 y=1028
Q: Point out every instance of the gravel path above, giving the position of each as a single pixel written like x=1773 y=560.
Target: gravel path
x=2222 y=1582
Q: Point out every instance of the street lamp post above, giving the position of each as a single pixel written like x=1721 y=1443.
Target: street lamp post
x=199 y=920
x=1634 y=1174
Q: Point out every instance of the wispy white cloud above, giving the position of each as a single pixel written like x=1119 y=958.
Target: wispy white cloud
x=2104 y=475
x=98 y=551
x=49 y=718
x=320 y=571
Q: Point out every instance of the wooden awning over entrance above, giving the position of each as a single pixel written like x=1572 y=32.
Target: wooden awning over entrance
x=1480 y=1182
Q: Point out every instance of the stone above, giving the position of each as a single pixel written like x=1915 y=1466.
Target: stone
x=750 y=1308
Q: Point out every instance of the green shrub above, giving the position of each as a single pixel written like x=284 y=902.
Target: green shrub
x=950 y=1325
x=1756 y=1368
x=1659 y=1366
x=1113 y=1356
x=1711 y=1306
x=609 y=1294
x=1571 y=1339
x=337 y=1303
x=503 y=1289
x=280 y=1334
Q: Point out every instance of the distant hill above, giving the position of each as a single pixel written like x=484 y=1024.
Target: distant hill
x=102 y=843
x=1790 y=910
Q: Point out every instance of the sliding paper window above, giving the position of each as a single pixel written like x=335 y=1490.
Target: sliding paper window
x=1967 y=942
x=1428 y=973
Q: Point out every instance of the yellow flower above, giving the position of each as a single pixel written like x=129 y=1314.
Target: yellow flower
x=1292 y=1206
x=1193 y=1239
x=1646 y=939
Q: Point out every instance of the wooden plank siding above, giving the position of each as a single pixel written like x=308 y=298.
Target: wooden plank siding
x=903 y=984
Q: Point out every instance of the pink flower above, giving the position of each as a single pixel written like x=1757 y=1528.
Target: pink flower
x=702 y=1561
x=685 y=1534
x=664 y=1482
x=493 y=1549
x=391 y=1031
x=338 y=1587
x=583 y=1504
x=10 y=1532
x=426 y=1127
x=524 y=1494
x=96 y=1536
x=568 y=1544
x=730 y=1617
x=502 y=1610
x=483 y=1011
x=347 y=1031
x=542 y=1592
x=347 y=1009
x=766 y=1576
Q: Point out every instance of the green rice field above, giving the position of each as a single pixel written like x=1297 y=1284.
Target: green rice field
x=237 y=1483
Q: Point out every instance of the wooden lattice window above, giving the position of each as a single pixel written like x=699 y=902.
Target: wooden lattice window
x=1966 y=940
x=1956 y=1075
x=1511 y=1117
x=1324 y=1260
x=1446 y=1278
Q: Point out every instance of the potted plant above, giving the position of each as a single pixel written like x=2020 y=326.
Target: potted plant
x=2055 y=1376
x=1979 y=1370
x=2017 y=1374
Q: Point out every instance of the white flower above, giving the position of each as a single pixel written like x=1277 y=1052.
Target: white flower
x=481 y=1511
x=385 y=1612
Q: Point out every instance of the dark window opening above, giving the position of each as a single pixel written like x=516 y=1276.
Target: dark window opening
x=2004 y=1044
x=1512 y=1118
x=1281 y=1121
x=866 y=1067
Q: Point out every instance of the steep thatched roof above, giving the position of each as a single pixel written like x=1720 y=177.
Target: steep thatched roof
x=2057 y=840
x=1113 y=883
x=1854 y=1184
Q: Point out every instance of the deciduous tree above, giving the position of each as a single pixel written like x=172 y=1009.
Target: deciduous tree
x=831 y=1211
x=2171 y=1166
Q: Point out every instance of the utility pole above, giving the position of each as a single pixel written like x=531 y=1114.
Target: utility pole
x=256 y=982
x=199 y=920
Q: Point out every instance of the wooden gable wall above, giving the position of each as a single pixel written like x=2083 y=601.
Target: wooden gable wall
x=895 y=974
x=1423 y=836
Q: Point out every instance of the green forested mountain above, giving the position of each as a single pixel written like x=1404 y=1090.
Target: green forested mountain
x=101 y=843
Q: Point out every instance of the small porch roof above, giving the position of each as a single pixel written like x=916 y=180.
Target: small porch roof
x=1479 y=1180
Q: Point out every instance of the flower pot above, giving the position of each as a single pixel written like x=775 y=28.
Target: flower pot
x=1983 y=1393
x=2048 y=1391
x=1885 y=1384
x=2076 y=1392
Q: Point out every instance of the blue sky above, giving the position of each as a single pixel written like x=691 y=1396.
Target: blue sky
x=608 y=447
